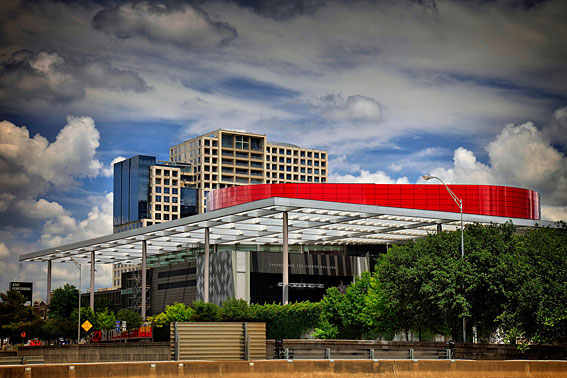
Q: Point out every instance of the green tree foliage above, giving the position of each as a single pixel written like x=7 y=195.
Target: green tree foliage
x=535 y=287
x=16 y=317
x=52 y=329
x=177 y=312
x=347 y=315
x=105 y=320
x=206 y=312
x=286 y=321
x=63 y=301
x=132 y=318
x=235 y=310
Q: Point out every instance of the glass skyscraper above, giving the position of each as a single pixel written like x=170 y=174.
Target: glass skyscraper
x=131 y=189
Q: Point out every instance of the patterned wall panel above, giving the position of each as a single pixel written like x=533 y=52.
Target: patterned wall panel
x=221 y=281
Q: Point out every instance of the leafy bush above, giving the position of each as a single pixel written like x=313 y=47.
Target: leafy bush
x=235 y=310
x=206 y=312
x=286 y=321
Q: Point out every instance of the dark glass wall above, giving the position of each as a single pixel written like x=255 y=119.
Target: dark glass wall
x=188 y=202
x=131 y=189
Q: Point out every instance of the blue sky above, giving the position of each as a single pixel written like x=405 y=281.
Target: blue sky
x=473 y=92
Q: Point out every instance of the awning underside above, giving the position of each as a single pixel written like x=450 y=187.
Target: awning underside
x=260 y=222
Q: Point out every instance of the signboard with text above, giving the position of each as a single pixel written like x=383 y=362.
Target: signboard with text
x=24 y=288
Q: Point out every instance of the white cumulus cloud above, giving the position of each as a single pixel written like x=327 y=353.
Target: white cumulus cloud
x=519 y=156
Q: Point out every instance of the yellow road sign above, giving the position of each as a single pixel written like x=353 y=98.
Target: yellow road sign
x=86 y=326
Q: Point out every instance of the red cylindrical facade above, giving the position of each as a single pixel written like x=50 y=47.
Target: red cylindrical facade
x=501 y=201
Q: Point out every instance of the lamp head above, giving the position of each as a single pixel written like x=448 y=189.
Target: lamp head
x=427 y=177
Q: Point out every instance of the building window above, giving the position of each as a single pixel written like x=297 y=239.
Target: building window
x=309 y=154
x=158 y=207
x=165 y=172
x=158 y=189
x=174 y=173
x=316 y=163
x=165 y=216
x=173 y=216
x=166 y=190
x=158 y=216
x=158 y=181
x=174 y=190
x=174 y=209
x=316 y=171
x=316 y=155
x=303 y=161
x=165 y=181
x=288 y=152
x=302 y=154
x=174 y=199
x=165 y=207
x=165 y=198
x=158 y=198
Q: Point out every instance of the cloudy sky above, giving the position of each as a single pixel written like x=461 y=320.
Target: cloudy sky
x=471 y=91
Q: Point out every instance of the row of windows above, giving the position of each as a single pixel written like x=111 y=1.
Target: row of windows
x=159 y=181
x=166 y=190
x=166 y=172
x=166 y=199
x=289 y=152
x=295 y=178
x=166 y=217
x=298 y=161
x=289 y=168
x=160 y=207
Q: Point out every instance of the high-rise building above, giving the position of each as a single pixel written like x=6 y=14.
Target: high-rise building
x=225 y=158
x=147 y=192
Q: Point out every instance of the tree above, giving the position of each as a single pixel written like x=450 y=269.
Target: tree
x=105 y=320
x=16 y=317
x=206 y=312
x=535 y=289
x=177 y=312
x=235 y=310
x=133 y=319
x=347 y=315
x=63 y=301
x=429 y=287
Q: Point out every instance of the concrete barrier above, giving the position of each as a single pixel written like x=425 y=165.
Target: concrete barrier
x=297 y=369
x=112 y=352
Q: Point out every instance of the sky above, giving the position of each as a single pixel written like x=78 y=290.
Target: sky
x=470 y=91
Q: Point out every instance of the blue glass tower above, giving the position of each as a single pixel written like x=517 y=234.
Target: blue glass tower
x=131 y=189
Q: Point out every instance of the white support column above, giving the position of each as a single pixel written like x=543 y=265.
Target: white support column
x=49 y=282
x=285 y=262
x=92 y=280
x=207 y=267
x=144 y=257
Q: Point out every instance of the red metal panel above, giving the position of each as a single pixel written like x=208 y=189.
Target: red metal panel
x=477 y=199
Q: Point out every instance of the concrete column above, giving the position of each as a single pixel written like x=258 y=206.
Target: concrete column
x=207 y=267
x=92 y=279
x=439 y=228
x=144 y=257
x=49 y=282
x=285 y=262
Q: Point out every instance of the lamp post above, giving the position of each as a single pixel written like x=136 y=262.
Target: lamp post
x=79 y=323
x=459 y=203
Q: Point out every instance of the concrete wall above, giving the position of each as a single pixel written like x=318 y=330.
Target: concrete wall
x=99 y=352
x=297 y=369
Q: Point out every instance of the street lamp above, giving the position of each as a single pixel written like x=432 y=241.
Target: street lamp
x=459 y=203
x=79 y=324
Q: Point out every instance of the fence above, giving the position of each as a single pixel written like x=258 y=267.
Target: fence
x=218 y=341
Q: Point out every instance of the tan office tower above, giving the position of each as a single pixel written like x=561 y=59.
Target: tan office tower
x=225 y=158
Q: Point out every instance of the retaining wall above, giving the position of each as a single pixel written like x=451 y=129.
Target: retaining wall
x=112 y=352
x=297 y=369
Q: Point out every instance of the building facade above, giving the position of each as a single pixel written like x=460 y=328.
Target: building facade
x=147 y=192
x=226 y=158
